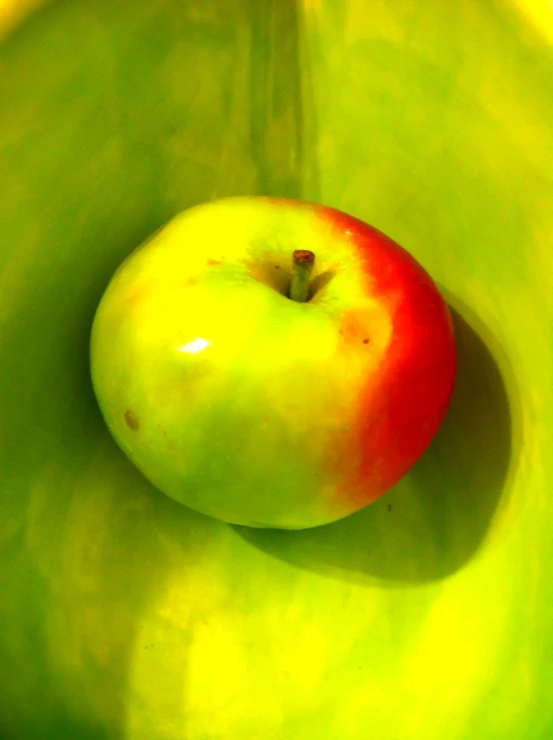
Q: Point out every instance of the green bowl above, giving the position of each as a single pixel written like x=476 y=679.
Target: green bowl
x=427 y=616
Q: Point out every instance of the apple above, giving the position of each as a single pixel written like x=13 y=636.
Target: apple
x=272 y=363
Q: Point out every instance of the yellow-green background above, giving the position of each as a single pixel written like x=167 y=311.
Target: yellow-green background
x=428 y=616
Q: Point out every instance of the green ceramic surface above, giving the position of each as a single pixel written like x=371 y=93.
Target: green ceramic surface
x=427 y=616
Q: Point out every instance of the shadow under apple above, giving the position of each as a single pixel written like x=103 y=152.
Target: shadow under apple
x=436 y=519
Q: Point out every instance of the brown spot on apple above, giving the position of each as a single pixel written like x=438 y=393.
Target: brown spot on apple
x=131 y=421
x=134 y=296
x=213 y=262
x=367 y=325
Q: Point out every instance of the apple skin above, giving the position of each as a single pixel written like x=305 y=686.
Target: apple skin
x=257 y=409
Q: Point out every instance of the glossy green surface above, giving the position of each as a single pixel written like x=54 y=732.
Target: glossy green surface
x=124 y=615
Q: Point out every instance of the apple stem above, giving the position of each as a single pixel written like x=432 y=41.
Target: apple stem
x=303 y=261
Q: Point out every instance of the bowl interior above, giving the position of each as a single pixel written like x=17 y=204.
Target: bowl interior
x=427 y=615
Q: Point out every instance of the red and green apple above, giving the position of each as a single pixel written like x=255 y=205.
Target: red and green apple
x=272 y=363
